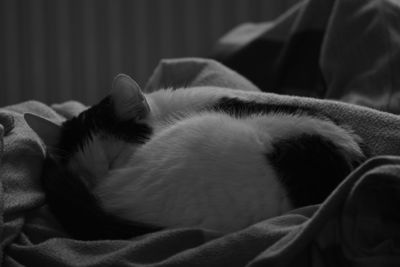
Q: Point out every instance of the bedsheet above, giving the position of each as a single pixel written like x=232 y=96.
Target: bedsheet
x=358 y=225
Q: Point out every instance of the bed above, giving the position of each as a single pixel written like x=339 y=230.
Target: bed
x=341 y=57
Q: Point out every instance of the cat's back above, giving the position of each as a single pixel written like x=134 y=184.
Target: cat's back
x=210 y=169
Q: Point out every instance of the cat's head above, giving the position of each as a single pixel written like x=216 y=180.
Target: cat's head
x=98 y=138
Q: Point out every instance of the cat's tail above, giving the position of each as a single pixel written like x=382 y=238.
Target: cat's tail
x=78 y=210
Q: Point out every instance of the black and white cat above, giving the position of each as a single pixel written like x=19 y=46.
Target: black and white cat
x=189 y=157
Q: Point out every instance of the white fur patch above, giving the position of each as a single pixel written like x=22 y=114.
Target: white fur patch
x=90 y=162
x=98 y=156
x=169 y=102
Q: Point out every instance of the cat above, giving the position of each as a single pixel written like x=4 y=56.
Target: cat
x=202 y=157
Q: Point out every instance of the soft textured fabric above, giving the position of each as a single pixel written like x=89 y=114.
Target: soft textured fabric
x=335 y=49
x=358 y=225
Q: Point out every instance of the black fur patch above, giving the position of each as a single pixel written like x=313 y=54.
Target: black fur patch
x=239 y=108
x=79 y=211
x=101 y=117
x=310 y=167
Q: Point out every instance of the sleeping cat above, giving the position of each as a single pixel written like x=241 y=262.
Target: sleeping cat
x=190 y=157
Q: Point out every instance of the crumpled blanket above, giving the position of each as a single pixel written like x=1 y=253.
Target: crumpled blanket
x=358 y=225
x=334 y=49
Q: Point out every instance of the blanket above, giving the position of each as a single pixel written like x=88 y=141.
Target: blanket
x=334 y=49
x=358 y=224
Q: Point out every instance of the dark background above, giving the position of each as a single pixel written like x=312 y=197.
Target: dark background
x=57 y=50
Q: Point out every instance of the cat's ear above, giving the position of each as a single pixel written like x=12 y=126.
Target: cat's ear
x=47 y=130
x=128 y=99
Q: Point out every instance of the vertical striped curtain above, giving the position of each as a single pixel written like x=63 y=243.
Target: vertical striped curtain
x=57 y=50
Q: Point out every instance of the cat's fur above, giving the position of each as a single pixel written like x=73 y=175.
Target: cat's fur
x=190 y=157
